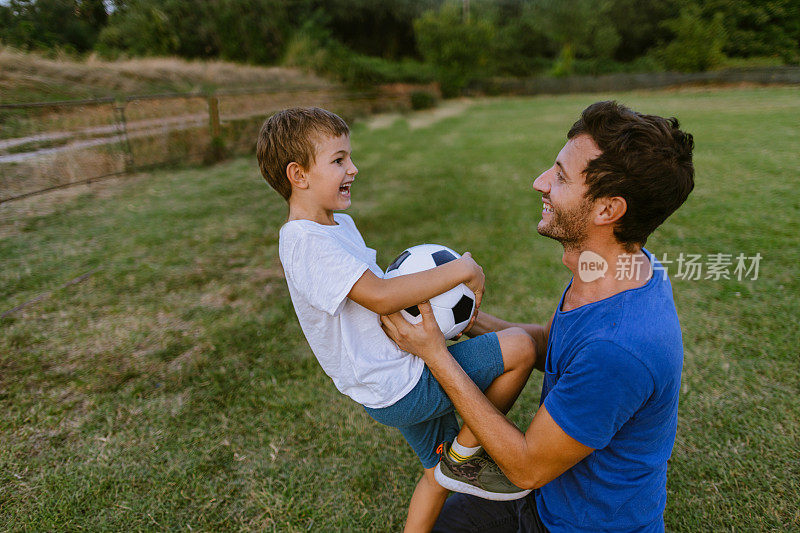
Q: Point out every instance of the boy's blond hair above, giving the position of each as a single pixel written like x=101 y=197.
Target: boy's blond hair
x=289 y=136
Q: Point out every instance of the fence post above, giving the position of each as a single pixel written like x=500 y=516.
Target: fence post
x=122 y=125
x=216 y=150
x=213 y=115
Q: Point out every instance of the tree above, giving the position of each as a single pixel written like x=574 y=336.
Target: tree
x=384 y=29
x=639 y=25
x=697 y=44
x=579 y=28
x=457 y=47
x=141 y=27
x=253 y=31
x=46 y=24
x=759 y=27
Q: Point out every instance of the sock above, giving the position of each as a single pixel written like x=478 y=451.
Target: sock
x=461 y=453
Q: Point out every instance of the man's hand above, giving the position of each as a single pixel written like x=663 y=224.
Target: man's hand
x=424 y=339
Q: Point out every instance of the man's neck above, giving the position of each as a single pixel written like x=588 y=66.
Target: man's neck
x=621 y=270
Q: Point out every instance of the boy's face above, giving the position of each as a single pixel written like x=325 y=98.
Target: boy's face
x=331 y=174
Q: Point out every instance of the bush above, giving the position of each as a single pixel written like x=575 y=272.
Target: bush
x=381 y=70
x=312 y=48
x=599 y=66
x=422 y=100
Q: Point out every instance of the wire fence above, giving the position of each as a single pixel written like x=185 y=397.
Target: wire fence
x=52 y=145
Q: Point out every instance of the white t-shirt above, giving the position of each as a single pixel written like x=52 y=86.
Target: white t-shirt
x=322 y=263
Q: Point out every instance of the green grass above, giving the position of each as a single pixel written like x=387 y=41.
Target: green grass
x=173 y=389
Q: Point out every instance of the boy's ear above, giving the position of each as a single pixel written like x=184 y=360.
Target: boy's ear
x=296 y=175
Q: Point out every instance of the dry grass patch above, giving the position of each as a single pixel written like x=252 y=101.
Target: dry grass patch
x=38 y=76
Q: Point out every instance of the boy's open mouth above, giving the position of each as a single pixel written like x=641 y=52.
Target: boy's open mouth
x=345 y=189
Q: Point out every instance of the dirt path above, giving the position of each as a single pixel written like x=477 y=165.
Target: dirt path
x=421 y=119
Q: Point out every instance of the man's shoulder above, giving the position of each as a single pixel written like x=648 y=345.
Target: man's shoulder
x=641 y=325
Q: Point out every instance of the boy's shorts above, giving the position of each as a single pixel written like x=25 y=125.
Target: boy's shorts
x=425 y=416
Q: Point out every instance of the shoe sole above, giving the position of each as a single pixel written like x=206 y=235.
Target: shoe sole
x=465 y=488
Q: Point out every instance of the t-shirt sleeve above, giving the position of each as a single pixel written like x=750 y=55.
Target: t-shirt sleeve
x=323 y=271
x=601 y=389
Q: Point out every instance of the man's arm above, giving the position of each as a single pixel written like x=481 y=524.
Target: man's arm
x=485 y=323
x=529 y=459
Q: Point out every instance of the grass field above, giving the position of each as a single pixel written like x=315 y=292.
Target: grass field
x=172 y=388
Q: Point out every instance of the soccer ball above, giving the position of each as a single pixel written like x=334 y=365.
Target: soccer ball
x=453 y=308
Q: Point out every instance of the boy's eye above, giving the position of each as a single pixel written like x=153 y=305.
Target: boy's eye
x=338 y=161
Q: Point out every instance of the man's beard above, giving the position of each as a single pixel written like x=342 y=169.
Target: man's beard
x=568 y=227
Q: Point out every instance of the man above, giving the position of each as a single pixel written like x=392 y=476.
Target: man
x=596 y=451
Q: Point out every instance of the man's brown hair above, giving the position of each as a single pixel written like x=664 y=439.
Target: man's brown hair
x=646 y=159
x=289 y=136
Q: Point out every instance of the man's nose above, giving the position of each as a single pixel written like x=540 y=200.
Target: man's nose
x=542 y=184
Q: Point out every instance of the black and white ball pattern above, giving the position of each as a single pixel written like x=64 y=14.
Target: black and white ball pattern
x=452 y=309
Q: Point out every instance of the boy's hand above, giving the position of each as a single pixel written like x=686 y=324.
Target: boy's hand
x=476 y=281
x=424 y=339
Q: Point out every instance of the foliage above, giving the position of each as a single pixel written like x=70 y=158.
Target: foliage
x=518 y=46
x=365 y=42
x=638 y=24
x=313 y=48
x=145 y=30
x=697 y=44
x=597 y=66
x=579 y=28
x=225 y=29
x=422 y=100
x=379 y=70
x=457 y=47
x=759 y=27
x=47 y=24
x=379 y=29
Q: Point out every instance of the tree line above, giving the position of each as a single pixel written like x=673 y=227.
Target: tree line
x=452 y=41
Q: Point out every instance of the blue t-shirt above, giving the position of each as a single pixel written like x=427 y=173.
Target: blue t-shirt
x=612 y=378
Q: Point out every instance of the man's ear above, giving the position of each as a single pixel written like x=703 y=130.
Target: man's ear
x=296 y=175
x=609 y=210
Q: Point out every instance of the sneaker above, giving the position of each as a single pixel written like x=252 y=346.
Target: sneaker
x=479 y=475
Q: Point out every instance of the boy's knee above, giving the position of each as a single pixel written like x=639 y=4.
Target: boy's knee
x=518 y=348
x=429 y=479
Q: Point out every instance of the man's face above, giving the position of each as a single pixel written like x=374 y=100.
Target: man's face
x=565 y=212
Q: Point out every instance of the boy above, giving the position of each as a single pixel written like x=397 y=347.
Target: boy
x=338 y=293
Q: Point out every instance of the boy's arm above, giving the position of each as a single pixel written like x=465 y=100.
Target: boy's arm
x=387 y=296
x=485 y=323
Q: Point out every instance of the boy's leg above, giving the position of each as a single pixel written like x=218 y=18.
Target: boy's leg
x=499 y=364
x=519 y=354
x=426 y=503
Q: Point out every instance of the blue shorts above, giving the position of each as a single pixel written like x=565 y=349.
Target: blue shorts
x=425 y=415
